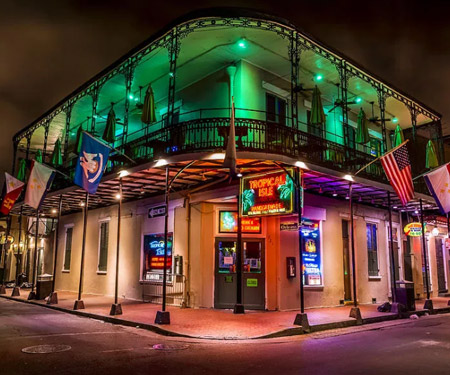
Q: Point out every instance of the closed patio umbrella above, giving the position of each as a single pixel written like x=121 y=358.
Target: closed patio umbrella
x=38 y=156
x=109 y=135
x=22 y=172
x=431 y=160
x=148 y=109
x=317 y=113
x=398 y=136
x=362 y=131
x=56 y=155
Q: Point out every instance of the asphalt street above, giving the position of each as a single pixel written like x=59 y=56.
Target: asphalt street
x=91 y=347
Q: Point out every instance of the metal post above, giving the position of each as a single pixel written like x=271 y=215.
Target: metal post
x=53 y=297
x=18 y=261
x=300 y=239
x=32 y=294
x=239 y=306
x=4 y=248
x=352 y=239
x=79 y=304
x=391 y=245
x=424 y=245
x=116 y=308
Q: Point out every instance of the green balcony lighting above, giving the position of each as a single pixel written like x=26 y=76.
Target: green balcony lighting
x=131 y=96
x=318 y=77
x=358 y=100
x=394 y=120
x=242 y=43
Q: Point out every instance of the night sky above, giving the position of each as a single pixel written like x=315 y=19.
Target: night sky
x=49 y=48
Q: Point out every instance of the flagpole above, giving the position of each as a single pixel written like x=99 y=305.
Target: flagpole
x=428 y=172
x=53 y=297
x=428 y=302
x=116 y=308
x=79 y=304
x=16 y=290
x=32 y=294
x=8 y=228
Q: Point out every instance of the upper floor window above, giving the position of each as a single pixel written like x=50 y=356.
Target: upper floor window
x=372 y=249
x=68 y=249
x=275 y=109
x=103 y=246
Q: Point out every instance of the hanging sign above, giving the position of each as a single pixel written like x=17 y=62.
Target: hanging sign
x=156 y=211
x=228 y=223
x=267 y=194
x=289 y=226
x=413 y=229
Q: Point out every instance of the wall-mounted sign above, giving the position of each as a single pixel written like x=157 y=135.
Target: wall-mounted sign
x=252 y=283
x=312 y=268
x=228 y=223
x=289 y=226
x=267 y=194
x=154 y=253
x=156 y=211
x=413 y=229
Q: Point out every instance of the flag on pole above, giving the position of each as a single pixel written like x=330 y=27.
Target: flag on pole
x=91 y=163
x=230 y=153
x=13 y=189
x=40 y=180
x=438 y=182
x=397 y=167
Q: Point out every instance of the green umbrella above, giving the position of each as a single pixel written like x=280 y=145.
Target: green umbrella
x=109 y=135
x=56 y=155
x=317 y=114
x=398 y=136
x=38 y=156
x=148 y=110
x=431 y=160
x=362 y=131
x=21 y=174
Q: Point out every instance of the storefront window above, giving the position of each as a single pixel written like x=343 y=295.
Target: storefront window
x=252 y=256
x=154 y=256
x=372 y=249
x=311 y=253
x=227 y=257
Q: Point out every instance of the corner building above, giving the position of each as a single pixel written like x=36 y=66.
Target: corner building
x=194 y=68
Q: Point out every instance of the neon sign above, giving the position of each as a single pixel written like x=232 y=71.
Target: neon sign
x=154 y=252
x=228 y=223
x=267 y=194
x=312 y=268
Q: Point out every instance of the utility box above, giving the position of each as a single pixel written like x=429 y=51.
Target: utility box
x=404 y=294
x=44 y=286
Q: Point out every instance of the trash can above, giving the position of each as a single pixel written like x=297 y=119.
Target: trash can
x=404 y=294
x=44 y=286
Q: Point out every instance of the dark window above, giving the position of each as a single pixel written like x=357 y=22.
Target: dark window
x=68 y=249
x=275 y=109
x=372 y=249
x=103 y=251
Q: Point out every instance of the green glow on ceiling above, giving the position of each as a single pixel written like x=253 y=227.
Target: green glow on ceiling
x=131 y=96
x=242 y=43
x=358 y=100
x=394 y=120
x=318 y=77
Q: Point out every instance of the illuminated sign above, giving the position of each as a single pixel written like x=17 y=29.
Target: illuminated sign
x=312 y=269
x=228 y=223
x=267 y=194
x=154 y=252
x=413 y=229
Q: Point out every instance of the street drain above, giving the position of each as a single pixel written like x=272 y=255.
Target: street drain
x=44 y=349
x=170 y=347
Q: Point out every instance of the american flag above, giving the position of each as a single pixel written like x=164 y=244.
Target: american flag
x=397 y=167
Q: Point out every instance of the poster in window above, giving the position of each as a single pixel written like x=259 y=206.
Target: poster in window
x=311 y=253
x=154 y=254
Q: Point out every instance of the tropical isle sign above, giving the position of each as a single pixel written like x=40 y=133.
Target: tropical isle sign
x=267 y=194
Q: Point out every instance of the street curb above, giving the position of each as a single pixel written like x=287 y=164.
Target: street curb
x=291 y=331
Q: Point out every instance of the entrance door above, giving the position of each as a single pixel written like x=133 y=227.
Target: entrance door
x=440 y=265
x=346 y=256
x=253 y=275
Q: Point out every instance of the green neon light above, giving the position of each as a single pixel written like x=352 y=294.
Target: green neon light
x=318 y=77
x=395 y=120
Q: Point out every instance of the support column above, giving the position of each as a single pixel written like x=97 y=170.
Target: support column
x=128 y=82
x=413 y=113
x=53 y=297
x=32 y=294
x=239 y=307
x=440 y=142
x=294 y=57
x=94 y=95
x=44 y=149
x=391 y=248
x=428 y=301
x=27 y=152
x=67 y=130
x=13 y=169
x=174 y=50
x=343 y=78
x=163 y=316
x=4 y=249
x=79 y=304
x=116 y=308
x=382 y=105
x=16 y=290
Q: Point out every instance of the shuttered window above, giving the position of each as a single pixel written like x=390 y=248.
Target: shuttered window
x=372 y=249
x=103 y=250
x=68 y=249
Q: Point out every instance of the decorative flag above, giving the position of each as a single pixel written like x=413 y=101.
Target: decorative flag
x=91 y=163
x=397 y=167
x=438 y=182
x=13 y=189
x=40 y=180
x=230 y=154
